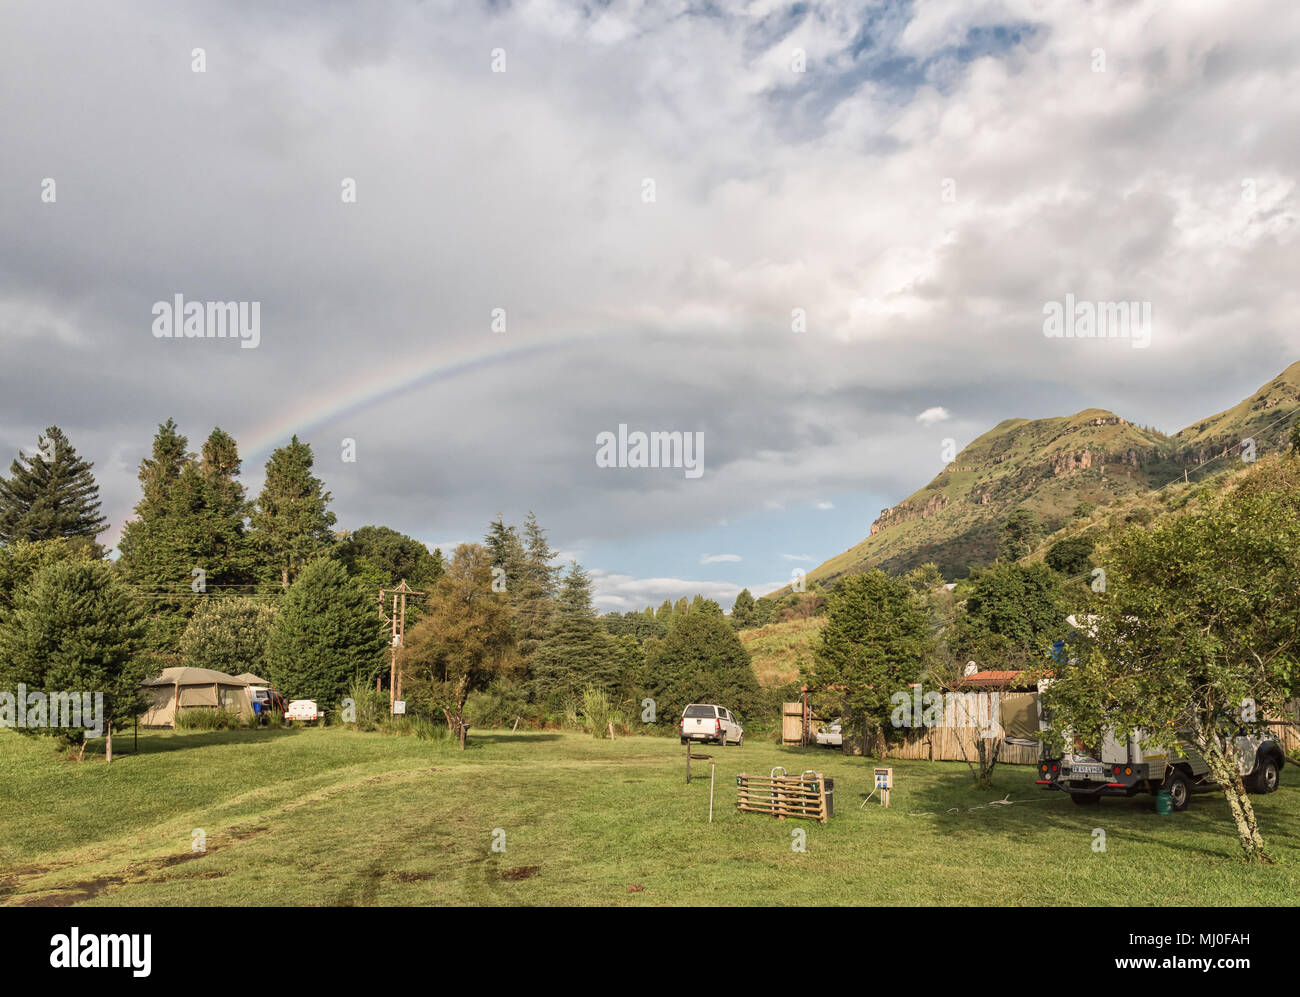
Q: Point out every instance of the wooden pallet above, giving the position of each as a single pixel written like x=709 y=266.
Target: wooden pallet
x=783 y=796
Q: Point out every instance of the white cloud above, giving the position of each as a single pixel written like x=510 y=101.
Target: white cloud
x=622 y=592
x=719 y=558
x=932 y=415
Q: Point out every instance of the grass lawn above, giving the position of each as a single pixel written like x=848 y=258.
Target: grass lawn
x=338 y=817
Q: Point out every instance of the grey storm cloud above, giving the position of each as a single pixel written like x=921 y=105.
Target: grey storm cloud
x=775 y=192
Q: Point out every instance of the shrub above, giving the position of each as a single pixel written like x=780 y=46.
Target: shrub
x=370 y=706
x=202 y=718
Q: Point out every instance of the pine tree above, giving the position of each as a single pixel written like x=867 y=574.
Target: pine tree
x=154 y=559
x=77 y=628
x=327 y=635
x=538 y=592
x=577 y=652
x=291 y=520
x=50 y=494
x=742 y=611
x=188 y=540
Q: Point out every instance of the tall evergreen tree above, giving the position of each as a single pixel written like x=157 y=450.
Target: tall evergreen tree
x=541 y=583
x=154 y=558
x=742 y=611
x=50 y=494
x=188 y=540
x=578 y=651
x=291 y=520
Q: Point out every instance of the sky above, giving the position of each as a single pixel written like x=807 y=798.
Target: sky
x=821 y=235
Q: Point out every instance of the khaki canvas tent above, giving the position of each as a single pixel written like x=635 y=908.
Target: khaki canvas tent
x=193 y=688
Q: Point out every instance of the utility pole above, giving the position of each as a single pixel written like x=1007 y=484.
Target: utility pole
x=397 y=619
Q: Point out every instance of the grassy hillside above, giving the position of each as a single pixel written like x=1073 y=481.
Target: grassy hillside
x=1050 y=466
x=777 y=649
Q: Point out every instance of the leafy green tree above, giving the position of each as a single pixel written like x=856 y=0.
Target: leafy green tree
x=876 y=642
x=1019 y=535
x=1070 y=556
x=291 y=521
x=76 y=629
x=380 y=557
x=577 y=652
x=464 y=644
x=327 y=635
x=1013 y=613
x=701 y=660
x=229 y=635
x=1197 y=635
x=924 y=578
x=764 y=611
x=50 y=494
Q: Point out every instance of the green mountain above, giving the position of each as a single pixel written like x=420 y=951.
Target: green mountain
x=1050 y=466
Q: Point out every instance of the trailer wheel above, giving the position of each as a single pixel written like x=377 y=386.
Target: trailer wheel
x=1180 y=792
x=1265 y=778
x=1086 y=799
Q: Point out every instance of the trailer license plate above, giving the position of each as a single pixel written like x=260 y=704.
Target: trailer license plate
x=1085 y=770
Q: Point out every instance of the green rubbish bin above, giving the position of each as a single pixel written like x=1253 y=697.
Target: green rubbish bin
x=1164 y=802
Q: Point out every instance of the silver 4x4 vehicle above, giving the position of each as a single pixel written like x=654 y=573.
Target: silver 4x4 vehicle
x=1126 y=769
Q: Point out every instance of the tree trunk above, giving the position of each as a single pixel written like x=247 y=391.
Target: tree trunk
x=1234 y=792
x=108 y=743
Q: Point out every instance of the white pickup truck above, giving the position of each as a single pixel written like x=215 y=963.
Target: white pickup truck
x=707 y=722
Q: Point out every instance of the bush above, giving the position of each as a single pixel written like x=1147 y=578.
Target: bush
x=201 y=718
x=593 y=712
x=370 y=705
x=499 y=705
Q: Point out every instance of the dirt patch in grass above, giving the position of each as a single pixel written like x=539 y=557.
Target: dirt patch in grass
x=413 y=877
x=78 y=893
x=521 y=872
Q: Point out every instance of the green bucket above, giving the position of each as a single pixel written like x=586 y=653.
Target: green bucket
x=1164 y=802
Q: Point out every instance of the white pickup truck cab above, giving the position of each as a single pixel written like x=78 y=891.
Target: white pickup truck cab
x=707 y=722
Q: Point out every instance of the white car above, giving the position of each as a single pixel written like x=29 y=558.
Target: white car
x=707 y=722
x=831 y=736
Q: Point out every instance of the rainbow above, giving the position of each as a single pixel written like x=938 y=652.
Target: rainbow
x=395 y=380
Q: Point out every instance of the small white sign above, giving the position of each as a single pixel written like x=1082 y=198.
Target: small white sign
x=399 y=706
